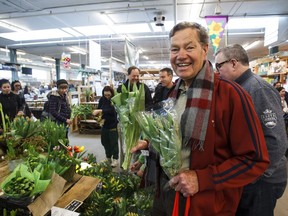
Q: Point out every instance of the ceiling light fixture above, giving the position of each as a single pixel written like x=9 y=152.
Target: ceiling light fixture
x=252 y=45
x=107 y=19
x=4 y=50
x=11 y=26
x=218 y=9
x=78 y=50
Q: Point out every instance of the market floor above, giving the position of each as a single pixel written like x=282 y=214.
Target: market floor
x=93 y=145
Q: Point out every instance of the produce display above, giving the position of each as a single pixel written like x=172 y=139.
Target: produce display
x=19 y=186
x=43 y=151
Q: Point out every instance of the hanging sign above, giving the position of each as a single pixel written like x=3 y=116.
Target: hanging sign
x=216 y=26
x=66 y=59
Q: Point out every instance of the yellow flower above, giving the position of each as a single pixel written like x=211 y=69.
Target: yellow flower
x=216 y=41
x=215 y=28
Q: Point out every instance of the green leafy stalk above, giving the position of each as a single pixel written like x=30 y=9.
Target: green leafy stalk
x=127 y=104
x=162 y=130
x=3 y=120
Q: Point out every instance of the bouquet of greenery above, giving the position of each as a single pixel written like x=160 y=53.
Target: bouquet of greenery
x=126 y=105
x=161 y=128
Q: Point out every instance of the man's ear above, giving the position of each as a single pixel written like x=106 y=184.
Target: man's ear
x=205 y=48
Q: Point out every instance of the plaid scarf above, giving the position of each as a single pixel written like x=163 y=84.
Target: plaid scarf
x=196 y=114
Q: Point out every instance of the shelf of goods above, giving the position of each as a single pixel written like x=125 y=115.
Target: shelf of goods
x=273 y=69
x=89 y=126
x=36 y=106
x=87 y=97
x=85 y=94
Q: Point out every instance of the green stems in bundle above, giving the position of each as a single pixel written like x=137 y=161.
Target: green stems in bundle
x=162 y=130
x=127 y=104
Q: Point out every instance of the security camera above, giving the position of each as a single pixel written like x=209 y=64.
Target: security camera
x=159 y=19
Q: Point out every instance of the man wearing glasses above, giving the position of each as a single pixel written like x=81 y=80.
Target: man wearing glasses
x=259 y=198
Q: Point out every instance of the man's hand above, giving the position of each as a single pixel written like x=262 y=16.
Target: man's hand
x=141 y=145
x=135 y=166
x=186 y=182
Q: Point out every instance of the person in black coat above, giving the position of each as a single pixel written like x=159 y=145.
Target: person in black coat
x=109 y=133
x=11 y=104
x=133 y=78
x=163 y=88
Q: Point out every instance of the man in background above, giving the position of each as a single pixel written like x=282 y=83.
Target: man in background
x=133 y=78
x=166 y=83
x=259 y=198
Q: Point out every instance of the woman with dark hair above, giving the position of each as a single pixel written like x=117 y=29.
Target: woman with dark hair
x=16 y=89
x=109 y=133
x=11 y=104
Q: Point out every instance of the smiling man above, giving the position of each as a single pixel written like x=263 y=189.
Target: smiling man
x=217 y=160
x=133 y=78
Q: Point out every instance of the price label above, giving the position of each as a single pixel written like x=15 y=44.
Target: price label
x=73 y=205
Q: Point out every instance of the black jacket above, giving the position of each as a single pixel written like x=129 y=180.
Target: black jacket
x=11 y=105
x=59 y=107
x=161 y=94
x=108 y=113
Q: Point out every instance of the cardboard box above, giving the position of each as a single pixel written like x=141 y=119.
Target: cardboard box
x=58 y=193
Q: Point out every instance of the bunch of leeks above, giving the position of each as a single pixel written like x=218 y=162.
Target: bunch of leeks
x=163 y=132
x=127 y=104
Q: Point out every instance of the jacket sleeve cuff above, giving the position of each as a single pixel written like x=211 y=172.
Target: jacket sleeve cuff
x=205 y=180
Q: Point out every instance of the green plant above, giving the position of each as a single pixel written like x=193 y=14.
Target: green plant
x=24 y=133
x=53 y=132
x=9 y=213
x=81 y=111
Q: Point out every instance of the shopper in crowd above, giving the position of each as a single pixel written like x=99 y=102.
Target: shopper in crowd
x=28 y=93
x=109 y=133
x=279 y=84
x=133 y=78
x=59 y=107
x=17 y=89
x=166 y=83
x=11 y=104
x=282 y=94
x=259 y=198
x=217 y=160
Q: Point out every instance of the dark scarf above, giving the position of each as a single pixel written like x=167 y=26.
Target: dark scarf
x=194 y=120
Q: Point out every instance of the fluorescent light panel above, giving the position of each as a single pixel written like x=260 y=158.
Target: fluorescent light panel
x=72 y=32
x=12 y=27
x=94 y=30
x=78 y=50
x=36 y=35
x=252 y=45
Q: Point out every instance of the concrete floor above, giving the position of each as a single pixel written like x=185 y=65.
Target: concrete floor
x=93 y=145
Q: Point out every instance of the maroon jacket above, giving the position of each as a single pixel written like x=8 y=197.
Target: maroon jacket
x=234 y=153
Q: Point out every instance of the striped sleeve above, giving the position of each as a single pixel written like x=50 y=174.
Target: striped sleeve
x=239 y=129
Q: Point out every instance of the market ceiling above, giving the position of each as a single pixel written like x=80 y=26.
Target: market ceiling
x=49 y=28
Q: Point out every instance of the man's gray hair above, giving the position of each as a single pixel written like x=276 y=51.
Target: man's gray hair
x=202 y=32
x=235 y=51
